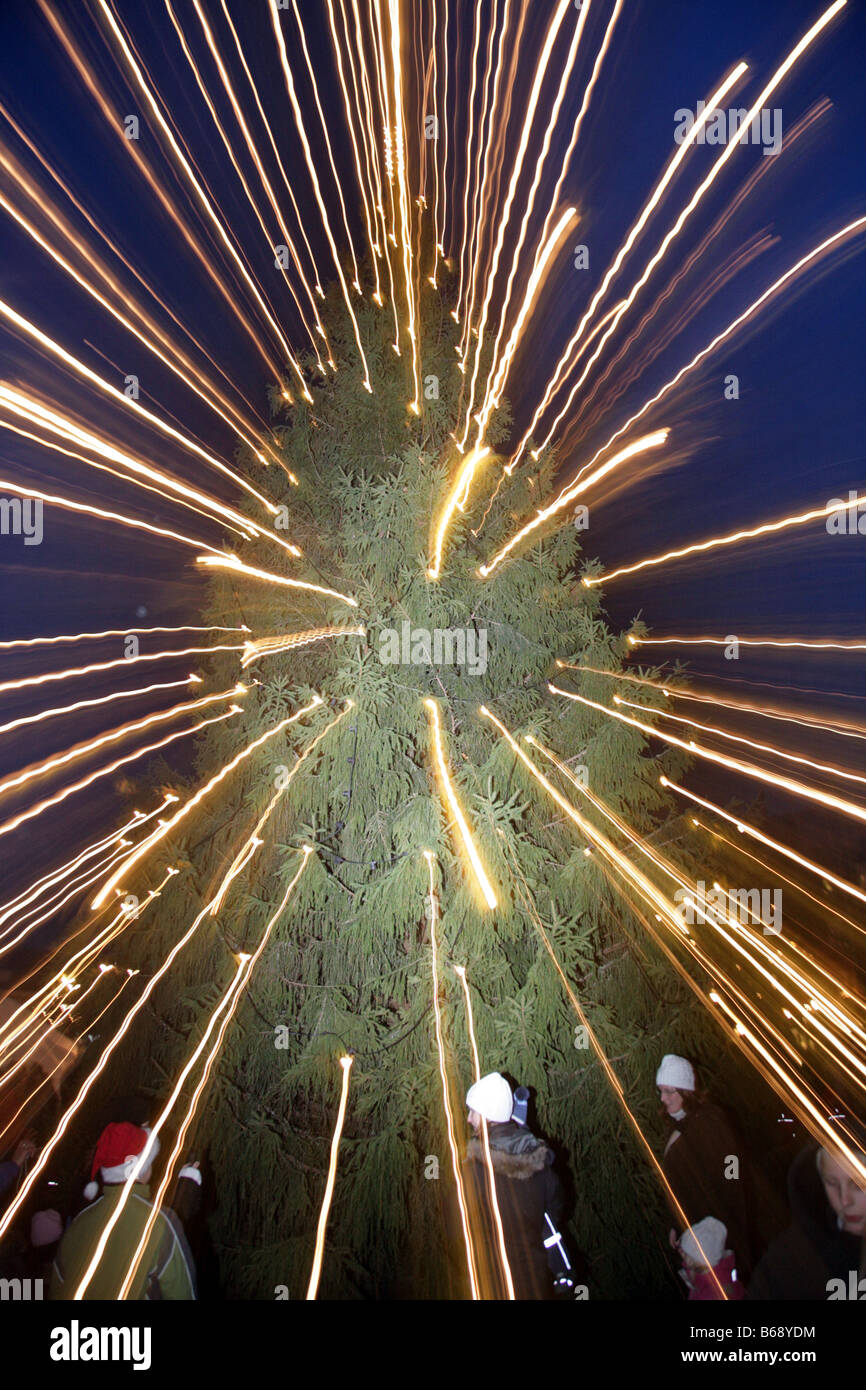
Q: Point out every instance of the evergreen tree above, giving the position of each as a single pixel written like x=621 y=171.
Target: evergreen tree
x=349 y=963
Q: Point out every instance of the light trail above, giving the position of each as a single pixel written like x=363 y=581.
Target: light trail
x=200 y=196
x=75 y=1042
x=49 y=345
x=403 y=185
x=835 y=803
x=449 y=1118
x=746 y=642
x=746 y=829
x=112 y=632
x=461 y=293
x=25 y=682
x=231 y=562
x=183 y=494
x=167 y=826
x=458 y=493
x=81 y=750
x=356 y=284
x=247 y=963
x=844 y=730
x=367 y=193
x=545 y=250
x=270 y=239
x=460 y=970
x=750 y=743
x=768 y=528
x=859 y=224
x=33 y=811
x=273 y=646
x=158 y=342
x=454 y=805
x=649 y=207
x=313 y=1286
x=638 y=446
x=76 y=887
x=311 y=166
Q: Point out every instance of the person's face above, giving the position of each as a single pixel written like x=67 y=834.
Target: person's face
x=671 y=1100
x=845 y=1197
x=475 y=1119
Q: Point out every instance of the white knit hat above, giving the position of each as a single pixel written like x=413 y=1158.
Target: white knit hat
x=677 y=1072
x=491 y=1097
x=713 y=1238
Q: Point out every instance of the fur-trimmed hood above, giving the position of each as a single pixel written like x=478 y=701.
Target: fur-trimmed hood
x=516 y=1153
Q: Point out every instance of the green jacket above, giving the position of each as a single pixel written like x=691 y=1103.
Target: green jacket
x=166 y=1271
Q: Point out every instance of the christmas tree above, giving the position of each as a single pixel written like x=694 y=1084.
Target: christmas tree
x=348 y=965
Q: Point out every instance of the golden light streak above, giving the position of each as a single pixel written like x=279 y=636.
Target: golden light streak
x=835 y=803
x=76 y=1040
x=852 y=227
x=843 y=729
x=53 y=906
x=247 y=963
x=312 y=74
x=36 y=334
x=454 y=805
x=55 y=876
x=449 y=1118
x=766 y=529
x=638 y=446
x=233 y=563
x=81 y=750
x=167 y=826
x=55 y=800
x=181 y=493
x=675 y=162
x=459 y=491
x=200 y=196
x=494 y=390
x=746 y=829
x=647 y=890
x=52 y=1024
x=455 y=313
x=610 y=1075
x=26 y=681
x=311 y=166
x=367 y=194
x=750 y=743
x=717 y=168
x=530 y=198
x=488 y=1157
x=271 y=240
x=402 y=182
x=272 y=646
x=266 y=123
x=746 y=642
x=112 y=632
x=313 y=1286
x=163 y=348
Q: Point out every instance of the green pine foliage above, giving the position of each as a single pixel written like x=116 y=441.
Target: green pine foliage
x=348 y=965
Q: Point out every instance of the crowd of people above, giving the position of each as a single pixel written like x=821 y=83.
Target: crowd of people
x=516 y=1222
x=707 y=1181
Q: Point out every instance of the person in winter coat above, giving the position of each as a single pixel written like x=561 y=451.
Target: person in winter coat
x=709 y=1269
x=698 y=1156
x=166 y=1270
x=821 y=1254
x=526 y=1188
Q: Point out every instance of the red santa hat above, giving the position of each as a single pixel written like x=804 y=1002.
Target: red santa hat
x=118 y=1150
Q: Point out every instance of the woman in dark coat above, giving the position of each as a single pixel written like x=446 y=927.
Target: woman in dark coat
x=824 y=1241
x=703 y=1161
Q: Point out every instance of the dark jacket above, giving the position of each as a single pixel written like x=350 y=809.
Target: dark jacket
x=526 y=1188
x=695 y=1163
x=800 y=1262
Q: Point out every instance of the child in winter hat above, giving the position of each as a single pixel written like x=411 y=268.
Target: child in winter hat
x=709 y=1269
